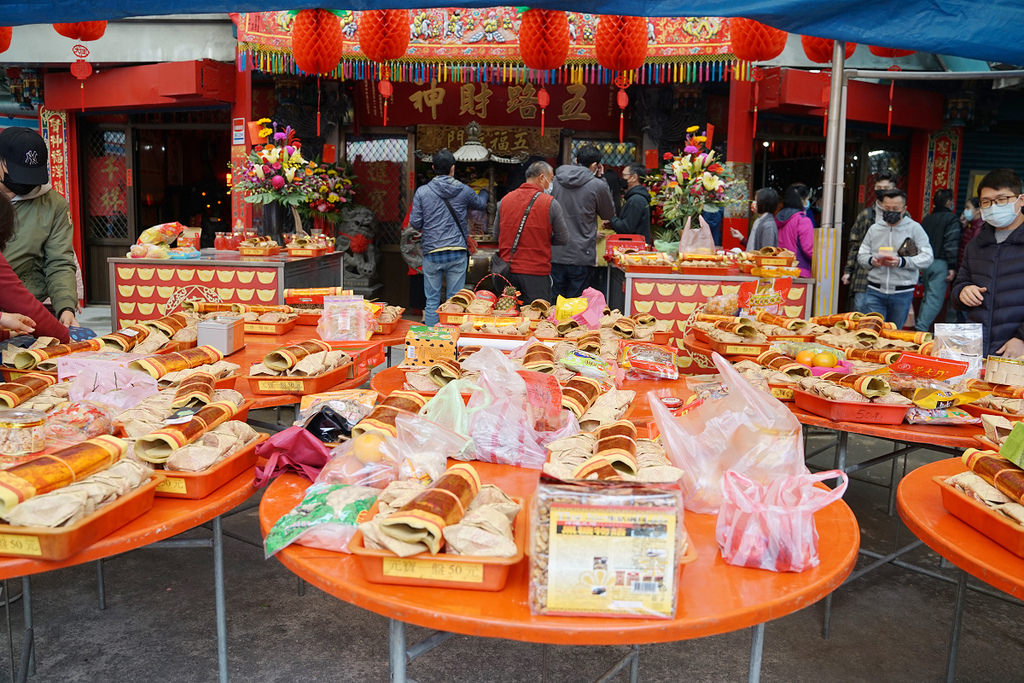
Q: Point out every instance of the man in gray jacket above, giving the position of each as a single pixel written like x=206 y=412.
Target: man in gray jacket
x=439 y=212
x=895 y=250
x=583 y=196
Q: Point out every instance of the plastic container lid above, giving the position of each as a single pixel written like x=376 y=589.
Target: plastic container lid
x=21 y=419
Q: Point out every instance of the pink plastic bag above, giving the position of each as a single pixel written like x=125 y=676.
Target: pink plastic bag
x=772 y=527
x=696 y=240
x=746 y=430
x=292 y=450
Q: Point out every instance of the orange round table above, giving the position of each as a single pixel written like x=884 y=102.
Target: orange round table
x=714 y=597
x=168 y=517
x=919 y=502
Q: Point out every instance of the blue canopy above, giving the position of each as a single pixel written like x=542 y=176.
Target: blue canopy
x=992 y=30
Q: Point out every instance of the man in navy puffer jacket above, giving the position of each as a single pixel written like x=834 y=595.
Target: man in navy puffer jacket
x=990 y=283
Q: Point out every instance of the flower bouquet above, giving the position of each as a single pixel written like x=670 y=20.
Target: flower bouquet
x=690 y=183
x=276 y=172
x=328 y=192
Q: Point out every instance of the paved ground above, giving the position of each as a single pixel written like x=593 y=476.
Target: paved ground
x=892 y=624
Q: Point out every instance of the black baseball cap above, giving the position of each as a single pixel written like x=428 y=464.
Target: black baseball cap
x=24 y=152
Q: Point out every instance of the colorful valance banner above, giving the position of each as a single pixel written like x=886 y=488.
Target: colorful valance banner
x=482 y=45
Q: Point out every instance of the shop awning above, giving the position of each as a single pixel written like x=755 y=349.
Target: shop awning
x=992 y=30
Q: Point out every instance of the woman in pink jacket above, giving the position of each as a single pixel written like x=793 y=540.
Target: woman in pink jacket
x=796 y=232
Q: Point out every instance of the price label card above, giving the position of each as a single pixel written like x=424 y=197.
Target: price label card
x=128 y=333
x=612 y=561
x=280 y=385
x=256 y=327
x=172 y=485
x=434 y=570
x=782 y=393
x=11 y=544
x=741 y=350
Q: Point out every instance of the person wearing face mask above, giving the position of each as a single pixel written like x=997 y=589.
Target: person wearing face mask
x=943 y=229
x=894 y=251
x=853 y=275
x=635 y=216
x=41 y=251
x=795 y=231
x=528 y=221
x=584 y=197
x=990 y=283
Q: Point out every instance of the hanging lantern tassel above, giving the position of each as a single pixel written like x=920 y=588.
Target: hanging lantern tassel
x=892 y=86
x=622 y=99
x=385 y=89
x=543 y=100
x=81 y=69
x=318 y=105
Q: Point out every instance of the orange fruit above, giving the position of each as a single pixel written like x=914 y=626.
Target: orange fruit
x=824 y=360
x=805 y=357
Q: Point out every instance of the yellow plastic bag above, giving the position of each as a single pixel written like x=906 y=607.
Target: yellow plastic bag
x=567 y=308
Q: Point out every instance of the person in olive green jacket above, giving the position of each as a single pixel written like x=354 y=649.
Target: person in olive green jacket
x=41 y=251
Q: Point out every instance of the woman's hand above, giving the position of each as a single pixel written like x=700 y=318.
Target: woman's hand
x=17 y=323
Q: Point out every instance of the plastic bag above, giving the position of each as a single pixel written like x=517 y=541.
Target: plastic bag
x=940 y=416
x=964 y=342
x=772 y=526
x=345 y=318
x=502 y=423
x=326 y=518
x=585 y=309
x=643 y=360
x=367 y=460
x=423 y=448
x=447 y=409
x=118 y=388
x=747 y=430
x=76 y=422
x=696 y=240
x=292 y=450
x=161 y=234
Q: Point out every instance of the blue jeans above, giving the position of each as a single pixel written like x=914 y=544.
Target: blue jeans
x=449 y=267
x=860 y=302
x=569 y=280
x=934 y=278
x=893 y=307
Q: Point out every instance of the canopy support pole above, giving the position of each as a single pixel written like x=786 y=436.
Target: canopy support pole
x=826 y=265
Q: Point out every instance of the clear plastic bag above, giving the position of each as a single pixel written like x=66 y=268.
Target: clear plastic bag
x=963 y=342
x=326 y=518
x=345 y=318
x=747 y=430
x=367 y=460
x=772 y=526
x=447 y=407
x=424 y=448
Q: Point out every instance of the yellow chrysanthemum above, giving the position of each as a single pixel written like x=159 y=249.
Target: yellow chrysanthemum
x=693 y=129
x=262 y=121
x=266 y=132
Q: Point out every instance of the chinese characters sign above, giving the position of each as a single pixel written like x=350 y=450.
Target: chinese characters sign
x=501 y=140
x=55 y=133
x=578 y=106
x=943 y=164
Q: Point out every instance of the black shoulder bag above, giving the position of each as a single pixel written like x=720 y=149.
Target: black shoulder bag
x=464 y=229
x=498 y=265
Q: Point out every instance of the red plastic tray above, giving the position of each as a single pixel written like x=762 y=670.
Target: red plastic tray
x=649 y=269
x=308 y=318
x=268 y=385
x=775 y=261
x=45 y=543
x=442 y=570
x=978 y=411
x=269 y=328
x=996 y=526
x=259 y=251
x=838 y=411
x=194 y=485
x=708 y=270
x=387 y=328
x=306 y=252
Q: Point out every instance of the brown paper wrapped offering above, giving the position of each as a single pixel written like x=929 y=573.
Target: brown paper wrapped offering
x=22 y=388
x=55 y=470
x=28 y=359
x=287 y=356
x=998 y=471
x=424 y=518
x=158 y=446
x=160 y=365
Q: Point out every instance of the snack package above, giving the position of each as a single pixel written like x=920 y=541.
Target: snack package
x=643 y=360
x=162 y=234
x=591 y=365
x=964 y=342
x=345 y=318
x=940 y=416
x=326 y=518
x=565 y=309
x=75 y=422
x=605 y=549
x=747 y=430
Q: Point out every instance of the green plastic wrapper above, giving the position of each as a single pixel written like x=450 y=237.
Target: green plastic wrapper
x=326 y=518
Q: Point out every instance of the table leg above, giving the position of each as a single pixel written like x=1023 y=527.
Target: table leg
x=10 y=633
x=218 y=587
x=756 y=651
x=396 y=648
x=634 y=666
x=26 y=598
x=958 y=617
x=840 y=459
x=101 y=593
x=826 y=624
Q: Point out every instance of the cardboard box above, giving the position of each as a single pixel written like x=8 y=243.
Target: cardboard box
x=424 y=345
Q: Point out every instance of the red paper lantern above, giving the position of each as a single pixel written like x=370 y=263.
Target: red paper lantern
x=620 y=43
x=753 y=41
x=5 y=37
x=888 y=52
x=383 y=37
x=544 y=38
x=82 y=30
x=820 y=49
x=384 y=34
x=316 y=41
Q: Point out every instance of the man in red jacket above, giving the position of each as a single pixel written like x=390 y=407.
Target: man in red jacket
x=527 y=249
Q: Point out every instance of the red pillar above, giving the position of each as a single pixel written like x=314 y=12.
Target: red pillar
x=241 y=109
x=740 y=154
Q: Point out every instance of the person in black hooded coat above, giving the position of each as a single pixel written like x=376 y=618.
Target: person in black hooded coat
x=635 y=216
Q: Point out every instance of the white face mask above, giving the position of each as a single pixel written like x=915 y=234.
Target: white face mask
x=1001 y=216
x=969 y=214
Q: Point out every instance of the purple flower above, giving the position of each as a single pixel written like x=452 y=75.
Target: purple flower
x=690 y=149
x=289 y=149
x=280 y=136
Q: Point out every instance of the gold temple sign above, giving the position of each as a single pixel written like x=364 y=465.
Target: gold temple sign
x=430 y=98
x=500 y=140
